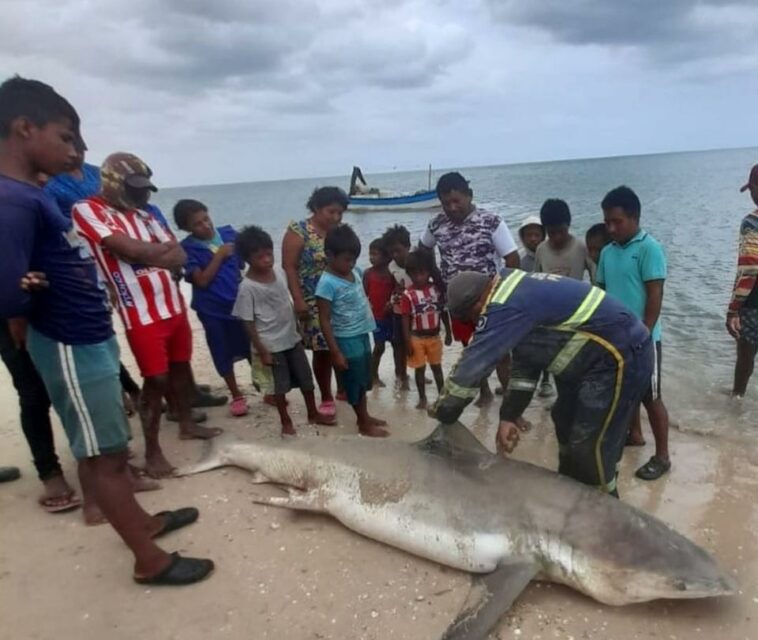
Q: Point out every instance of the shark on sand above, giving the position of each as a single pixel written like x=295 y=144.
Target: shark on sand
x=448 y=499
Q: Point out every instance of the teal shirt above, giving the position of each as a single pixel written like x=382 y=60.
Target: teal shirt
x=350 y=309
x=625 y=268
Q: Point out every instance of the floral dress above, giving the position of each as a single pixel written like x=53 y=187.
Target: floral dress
x=312 y=264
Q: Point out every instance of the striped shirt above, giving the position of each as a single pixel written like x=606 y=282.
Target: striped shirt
x=424 y=306
x=146 y=294
x=747 y=266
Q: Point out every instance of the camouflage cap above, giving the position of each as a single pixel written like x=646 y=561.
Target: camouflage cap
x=120 y=170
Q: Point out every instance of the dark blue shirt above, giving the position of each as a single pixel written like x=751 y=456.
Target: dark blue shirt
x=218 y=298
x=67 y=190
x=37 y=237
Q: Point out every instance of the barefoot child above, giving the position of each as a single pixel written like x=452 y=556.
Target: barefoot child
x=422 y=308
x=346 y=320
x=265 y=307
x=397 y=241
x=214 y=269
x=379 y=285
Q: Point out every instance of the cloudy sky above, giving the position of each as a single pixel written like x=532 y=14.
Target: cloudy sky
x=238 y=90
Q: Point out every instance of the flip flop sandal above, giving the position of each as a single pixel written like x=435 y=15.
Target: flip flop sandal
x=239 y=407
x=51 y=504
x=180 y=571
x=653 y=469
x=328 y=408
x=8 y=474
x=173 y=520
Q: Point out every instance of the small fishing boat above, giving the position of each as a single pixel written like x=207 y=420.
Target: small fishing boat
x=365 y=198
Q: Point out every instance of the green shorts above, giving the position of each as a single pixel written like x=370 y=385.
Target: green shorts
x=83 y=384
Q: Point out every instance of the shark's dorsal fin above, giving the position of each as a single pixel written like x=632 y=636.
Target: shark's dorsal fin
x=455 y=441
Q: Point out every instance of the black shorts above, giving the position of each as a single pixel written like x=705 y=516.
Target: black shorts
x=290 y=370
x=654 y=391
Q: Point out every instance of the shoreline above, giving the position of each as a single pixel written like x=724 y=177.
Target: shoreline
x=286 y=574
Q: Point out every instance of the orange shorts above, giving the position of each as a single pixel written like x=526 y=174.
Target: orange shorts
x=426 y=350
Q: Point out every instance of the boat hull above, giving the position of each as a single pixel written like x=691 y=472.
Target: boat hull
x=421 y=200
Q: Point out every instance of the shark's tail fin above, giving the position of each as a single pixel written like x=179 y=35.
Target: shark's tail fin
x=214 y=455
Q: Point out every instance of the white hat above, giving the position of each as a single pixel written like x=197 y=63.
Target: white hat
x=529 y=221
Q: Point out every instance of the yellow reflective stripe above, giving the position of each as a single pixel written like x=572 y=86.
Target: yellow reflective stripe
x=522 y=385
x=608 y=486
x=567 y=354
x=495 y=286
x=589 y=305
x=456 y=390
x=507 y=286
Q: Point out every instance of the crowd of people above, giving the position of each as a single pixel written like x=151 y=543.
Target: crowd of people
x=558 y=316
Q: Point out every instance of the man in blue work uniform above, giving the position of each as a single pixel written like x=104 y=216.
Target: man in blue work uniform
x=599 y=352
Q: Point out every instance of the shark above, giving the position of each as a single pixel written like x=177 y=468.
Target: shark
x=448 y=499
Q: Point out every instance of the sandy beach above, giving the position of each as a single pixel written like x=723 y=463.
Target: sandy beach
x=300 y=576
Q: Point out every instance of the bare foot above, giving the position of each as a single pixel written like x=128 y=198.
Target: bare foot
x=287 y=428
x=485 y=399
x=92 y=515
x=196 y=432
x=141 y=483
x=422 y=404
x=379 y=383
x=322 y=419
x=405 y=385
x=634 y=441
x=376 y=422
x=158 y=467
x=372 y=431
x=522 y=424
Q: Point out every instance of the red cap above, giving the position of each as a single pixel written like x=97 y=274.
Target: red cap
x=752 y=181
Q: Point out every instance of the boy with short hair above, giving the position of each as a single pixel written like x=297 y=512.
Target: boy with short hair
x=422 y=308
x=379 y=285
x=67 y=330
x=265 y=307
x=346 y=320
x=595 y=240
x=397 y=240
x=633 y=269
x=561 y=254
x=213 y=269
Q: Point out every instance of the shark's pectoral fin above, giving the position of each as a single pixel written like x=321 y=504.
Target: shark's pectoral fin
x=295 y=499
x=490 y=596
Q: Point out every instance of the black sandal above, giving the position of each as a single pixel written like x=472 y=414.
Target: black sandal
x=653 y=469
x=180 y=571
x=173 y=520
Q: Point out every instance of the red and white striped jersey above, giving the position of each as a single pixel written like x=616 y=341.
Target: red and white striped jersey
x=146 y=294
x=424 y=306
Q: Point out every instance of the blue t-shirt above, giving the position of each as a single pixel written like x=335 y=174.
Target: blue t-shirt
x=624 y=269
x=219 y=297
x=351 y=311
x=37 y=237
x=158 y=215
x=67 y=190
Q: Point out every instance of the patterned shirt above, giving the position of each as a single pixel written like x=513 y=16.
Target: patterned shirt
x=745 y=292
x=424 y=306
x=476 y=244
x=146 y=294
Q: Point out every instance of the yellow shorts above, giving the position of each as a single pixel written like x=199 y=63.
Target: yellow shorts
x=426 y=350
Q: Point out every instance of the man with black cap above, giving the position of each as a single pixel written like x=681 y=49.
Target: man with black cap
x=599 y=352
x=136 y=254
x=742 y=315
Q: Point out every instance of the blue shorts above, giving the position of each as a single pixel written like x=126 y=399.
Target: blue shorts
x=384 y=330
x=83 y=384
x=356 y=379
x=227 y=342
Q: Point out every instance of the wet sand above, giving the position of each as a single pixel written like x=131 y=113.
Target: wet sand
x=290 y=575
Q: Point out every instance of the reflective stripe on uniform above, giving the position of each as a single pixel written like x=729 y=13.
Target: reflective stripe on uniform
x=506 y=287
x=457 y=391
x=522 y=385
x=585 y=310
x=568 y=353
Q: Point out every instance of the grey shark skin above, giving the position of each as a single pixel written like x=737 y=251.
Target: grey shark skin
x=446 y=498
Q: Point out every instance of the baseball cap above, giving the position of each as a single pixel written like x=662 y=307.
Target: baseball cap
x=127 y=169
x=752 y=180
x=464 y=290
x=528 y=222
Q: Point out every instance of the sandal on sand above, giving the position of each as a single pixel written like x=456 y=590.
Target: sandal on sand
x=179 y=572
x=173 y=520
x=57 y=504
x=328 y=408
x=239 y=407
x=653 y=468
